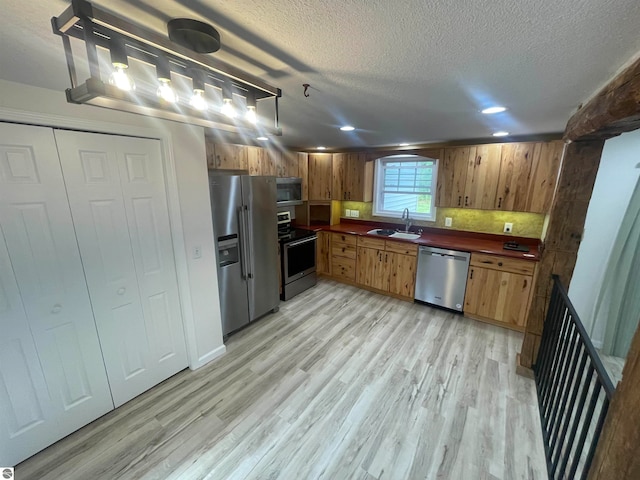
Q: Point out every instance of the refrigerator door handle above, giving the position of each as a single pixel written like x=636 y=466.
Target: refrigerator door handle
x=243 y=243
x=248 y=241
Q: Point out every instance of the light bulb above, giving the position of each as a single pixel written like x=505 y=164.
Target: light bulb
x=120 y=79
x=251 y=115
x=197 y=100
x=165 y=91
x=227 y=108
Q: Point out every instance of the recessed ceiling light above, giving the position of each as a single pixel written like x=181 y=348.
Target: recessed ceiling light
x=321 y=148
x=403 y=144
x=491 y=110
x=262 y=139
x=501 y=134
x=347 y=128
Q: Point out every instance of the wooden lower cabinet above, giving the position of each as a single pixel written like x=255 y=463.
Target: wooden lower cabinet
x=323 y=253
x=402 y=274
x=373 y=270
x=497 y=294
x=387 y=271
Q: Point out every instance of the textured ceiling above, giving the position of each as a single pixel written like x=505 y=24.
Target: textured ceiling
x=403 y=71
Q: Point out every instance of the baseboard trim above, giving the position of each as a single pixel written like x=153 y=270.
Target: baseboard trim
x=209 y=357
x=523 y=371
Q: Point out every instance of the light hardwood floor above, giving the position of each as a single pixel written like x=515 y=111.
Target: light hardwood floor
x=341 y=383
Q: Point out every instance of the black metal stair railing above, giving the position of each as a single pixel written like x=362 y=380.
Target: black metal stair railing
x=574 y=390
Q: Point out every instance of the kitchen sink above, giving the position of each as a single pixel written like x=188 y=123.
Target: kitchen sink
x=381 y=231
x=405 y=236
x=393 y=234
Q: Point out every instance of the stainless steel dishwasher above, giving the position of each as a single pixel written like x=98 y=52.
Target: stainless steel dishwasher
x=442 y=277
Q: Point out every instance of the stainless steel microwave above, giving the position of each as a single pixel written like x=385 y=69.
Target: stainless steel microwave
x=289 y=191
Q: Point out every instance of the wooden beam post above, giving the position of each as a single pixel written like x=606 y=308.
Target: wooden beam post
x=614 y=110
x=566 y=224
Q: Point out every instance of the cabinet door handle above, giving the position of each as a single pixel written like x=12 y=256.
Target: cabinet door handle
x=460 y=200
x=466 y=201
x=499 y=202
x=471 y=275
x=386 y=258
x=121 y=291
x=57 y=308
x=499 y=264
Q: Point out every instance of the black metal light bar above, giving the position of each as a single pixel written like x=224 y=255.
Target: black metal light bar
x=98 y=28
x=574 y=390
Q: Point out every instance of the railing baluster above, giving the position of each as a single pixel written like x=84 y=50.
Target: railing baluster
x=567 y=381
x=585 y=428
x=576 y=421
x=568 y=373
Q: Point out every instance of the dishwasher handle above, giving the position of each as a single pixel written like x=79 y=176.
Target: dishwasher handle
x=444 y=255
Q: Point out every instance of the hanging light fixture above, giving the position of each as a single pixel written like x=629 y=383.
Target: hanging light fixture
x=197 y=98
x=165 y=90
x=185 y=55
x=227 y=100
x=251 y=109
x=119 y=77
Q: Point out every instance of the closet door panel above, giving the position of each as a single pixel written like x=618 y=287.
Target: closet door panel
x=125 y=241
x=143 y=186
x=41 y=249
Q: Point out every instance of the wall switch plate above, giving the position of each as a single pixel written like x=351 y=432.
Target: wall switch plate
x=508 y=227
x=347 y=213
x=448 y=221
x=197 y=252
x=355 y=213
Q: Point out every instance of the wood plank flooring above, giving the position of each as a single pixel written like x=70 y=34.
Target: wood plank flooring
x=341 y=383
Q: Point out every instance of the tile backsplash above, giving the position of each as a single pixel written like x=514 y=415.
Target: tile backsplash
x=528 y=225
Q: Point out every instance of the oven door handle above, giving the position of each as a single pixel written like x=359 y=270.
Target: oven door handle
x=300 y=242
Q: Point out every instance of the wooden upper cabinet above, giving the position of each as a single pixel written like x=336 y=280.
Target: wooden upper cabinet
x=483 y=171
x=230 y=157
x=358 y=184
x=338 y=174
x=352 y=177
x=303 y=173
x=452 y=176
x=320 y=176
x=513 y=182
x=543 y=176
x=528 y=173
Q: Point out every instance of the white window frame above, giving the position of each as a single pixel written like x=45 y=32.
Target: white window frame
x=378 y=192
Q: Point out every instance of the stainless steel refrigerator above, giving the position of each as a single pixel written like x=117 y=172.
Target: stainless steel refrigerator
x=245 y=229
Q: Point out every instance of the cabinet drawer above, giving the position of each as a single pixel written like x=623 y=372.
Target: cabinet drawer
x=504 y=264
x=343 y=268
x=343 y=250
x=371 y=242
x=346 y=238
x=402 y=248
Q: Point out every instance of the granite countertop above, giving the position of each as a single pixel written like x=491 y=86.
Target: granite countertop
x=452 y=239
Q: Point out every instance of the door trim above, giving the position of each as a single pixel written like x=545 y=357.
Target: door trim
x=173 y=200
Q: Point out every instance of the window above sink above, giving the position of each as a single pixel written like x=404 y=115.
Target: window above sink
x=405 y=181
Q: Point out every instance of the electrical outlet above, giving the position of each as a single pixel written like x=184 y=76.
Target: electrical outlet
x=197 y=252
x=347 y=213
x=508 y=227
x=448 y=221
x=355 y=213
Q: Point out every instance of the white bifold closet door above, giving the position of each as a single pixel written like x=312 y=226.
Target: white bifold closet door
x=52 y=376
x=117 y=194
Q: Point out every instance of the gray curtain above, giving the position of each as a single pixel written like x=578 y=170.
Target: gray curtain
x=618 y=304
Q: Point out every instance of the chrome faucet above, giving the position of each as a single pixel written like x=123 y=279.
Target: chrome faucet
x=407 y=219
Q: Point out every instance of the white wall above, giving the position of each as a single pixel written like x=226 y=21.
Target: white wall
x=186 y=146
x=617 y=177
